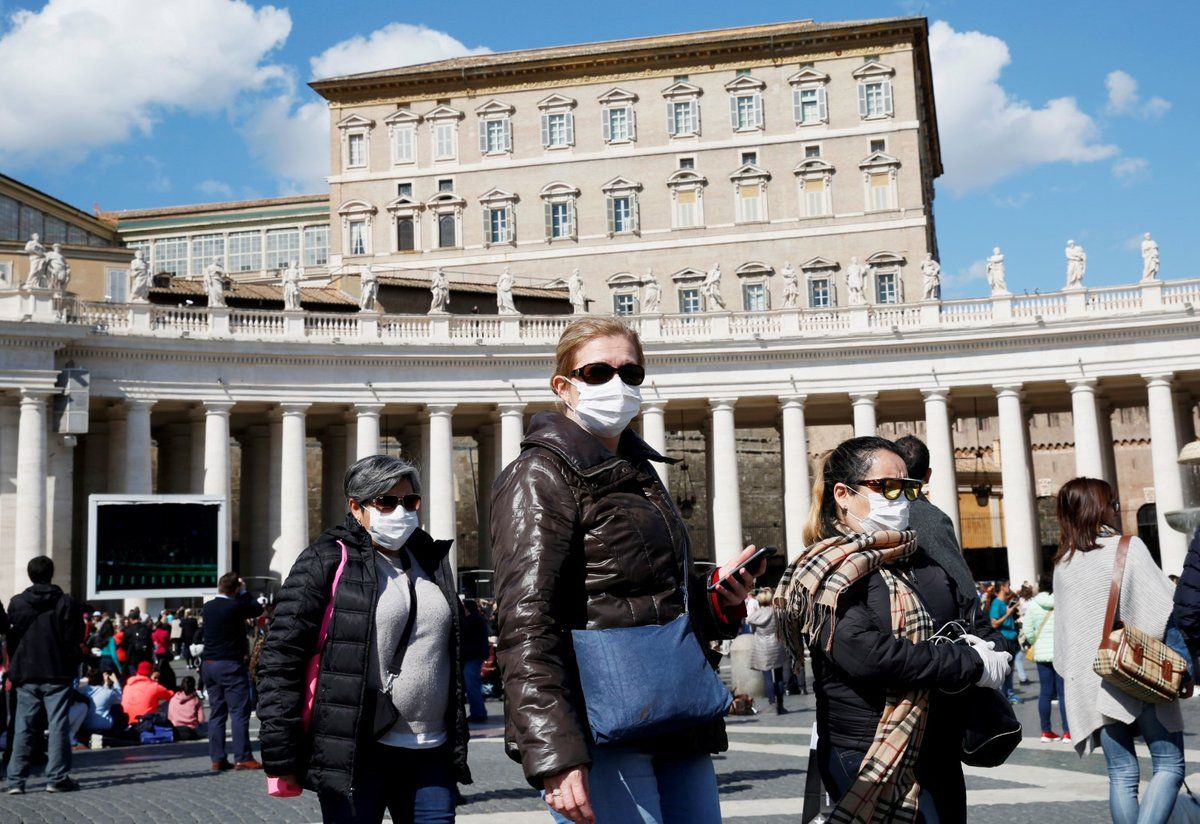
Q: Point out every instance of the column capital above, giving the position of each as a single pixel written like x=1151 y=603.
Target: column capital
x=721 y=404
x=217 y=407
x=1158 y=378
x=936 y=393
x=792 y=401
x=368 y=408
x=511 y=408
x=1087 y=385
x=30 y=395
x=1008 y=390
x=437 y=410
x=859 y=398
x=656 y=407
x=140 y=404
x=294 y=408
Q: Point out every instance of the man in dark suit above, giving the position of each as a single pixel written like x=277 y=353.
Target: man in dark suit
x=935 y=530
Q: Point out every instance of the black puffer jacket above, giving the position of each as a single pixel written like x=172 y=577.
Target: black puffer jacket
x=583 y=538
x=324 y=757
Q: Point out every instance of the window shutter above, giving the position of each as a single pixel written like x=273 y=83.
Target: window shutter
x=671 y=118
x=631 y=116
x=758 y=111
x=733 y=112
x=612 y=215
x=571 y=218
x=549 y=212
x=797 y=109
x=570 y=117
x=695 y=105
x=487 y=225
x=862 y=99
x=822 y=106
x=545 y=130
x=508 y=134
x=634 y=222
x=510 y=223
x=606 y=124
x=887 y=97
x=483 y=136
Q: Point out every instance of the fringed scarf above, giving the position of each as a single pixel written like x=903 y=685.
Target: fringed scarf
x=806 y=600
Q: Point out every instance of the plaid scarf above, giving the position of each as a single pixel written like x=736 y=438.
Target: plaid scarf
x=806 y=602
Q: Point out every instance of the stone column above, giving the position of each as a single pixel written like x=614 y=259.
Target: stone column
x=1089 y=460
x=138 y=443
x=1020 y=513
x=333 y=473
x=440 y=496
x=60 y=500
x=654 y=433
x=274 y=478
x=722 y=475
x=174 y=450
x=939 y=437
x=367 y=431
x=1108 y=457
x=293 y=490
x=797 y=485
x=485 y=440
x=1185 y=433
x=9 y=426
x=216 y=457
x=512 y=430
x=425 y=476
x=864 y=412
x=1164 y=453
x=196 y=461
x=29 y=540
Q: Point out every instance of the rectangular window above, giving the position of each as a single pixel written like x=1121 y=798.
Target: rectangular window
x=624 y=303
x=749 y=158
x=10 y=220
x=875 y=98
x=618 y=124
x=404 y=144
x=560 y=220
x=358 y=237
x=754 y=297
x=444 y=141
x=447 y=234
x=745 y=112
x=690 y=302
x=819 y=295
x=116 y=285
x=31 y=222
x=170 y=255
x=244 y=252
x=687 y=211
x=78 y=237
x=814 y=197
x=687 y=162
x=878 y=146
x=812 y=151
x=204 y=249
x=356 y=150
x=749 y=198
x=446 y=185
x=881 y=191
x=283 y=246
x=558 y=129
x=810 y=105
x=682 y=118
x=495 y=136
x=622 y=214
x=316 y=245
x=887 y=287
x=56 y=230
x=406 y=234
x=499 y=225
x=404 y=190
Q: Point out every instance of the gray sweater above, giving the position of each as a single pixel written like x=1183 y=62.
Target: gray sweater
x=1080 y=597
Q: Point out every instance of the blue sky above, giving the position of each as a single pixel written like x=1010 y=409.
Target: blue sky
x=1058 y=120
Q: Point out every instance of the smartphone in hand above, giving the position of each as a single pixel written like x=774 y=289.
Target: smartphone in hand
x=750 y=563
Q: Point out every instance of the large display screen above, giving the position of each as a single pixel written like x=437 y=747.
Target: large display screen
x=155 y=546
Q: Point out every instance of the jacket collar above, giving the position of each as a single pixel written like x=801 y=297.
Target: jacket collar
x=582 y=451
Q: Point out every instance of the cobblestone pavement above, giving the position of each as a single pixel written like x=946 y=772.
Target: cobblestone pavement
x=761 y=780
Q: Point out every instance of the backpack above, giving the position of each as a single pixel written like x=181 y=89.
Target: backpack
x=138 y=640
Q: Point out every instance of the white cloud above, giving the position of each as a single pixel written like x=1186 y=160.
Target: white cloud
x=986 y=133
x=1130 y=170
x=215 y=188
x=290 y=132
x=958 y=284
x=1124 y=98
x=156 y=179
x=93 y=74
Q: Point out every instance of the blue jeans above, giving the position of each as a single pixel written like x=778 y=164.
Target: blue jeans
x=473 y=680
x=228 y=686
x=415 y=786
x=1050 y=686
x=1166 y=759
x=629 y=787
x=30 y=698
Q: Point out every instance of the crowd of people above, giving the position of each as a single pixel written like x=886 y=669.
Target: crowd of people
x=603 y=639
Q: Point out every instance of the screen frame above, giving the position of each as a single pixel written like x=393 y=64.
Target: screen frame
x=224 y=550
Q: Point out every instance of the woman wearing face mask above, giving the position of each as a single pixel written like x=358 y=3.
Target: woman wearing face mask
x=388 y=728
x=868 y=601
x=584 y=535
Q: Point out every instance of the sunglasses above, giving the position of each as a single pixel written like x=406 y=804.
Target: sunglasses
x=387 y=503
x=891 y=488
x=595 y=374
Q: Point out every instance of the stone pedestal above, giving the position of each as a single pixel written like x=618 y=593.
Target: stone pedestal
x=1002 y=307
x=931 y=312
x=139 y=317
x=1076 y=301
x=860 y=317
x=439 y=328
x=720 y=326
x=293 y=324
x=510 y=328
x=368 y=324
x=218 y=321
x=651 y=326
x=1152 y=294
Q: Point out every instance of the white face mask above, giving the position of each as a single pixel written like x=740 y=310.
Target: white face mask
x=391 y=529
x=606 y=410
x=885 y=515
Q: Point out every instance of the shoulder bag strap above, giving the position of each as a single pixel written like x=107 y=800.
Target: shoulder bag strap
x=1114 y=594
x=397 y=662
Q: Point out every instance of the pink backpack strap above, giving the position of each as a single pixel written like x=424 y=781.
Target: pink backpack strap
x=313 y=670
x=328 y=617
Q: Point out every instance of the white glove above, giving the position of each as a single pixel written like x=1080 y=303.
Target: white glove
x=996 y=665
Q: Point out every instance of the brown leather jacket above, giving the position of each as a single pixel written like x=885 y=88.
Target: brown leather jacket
x=583 y=538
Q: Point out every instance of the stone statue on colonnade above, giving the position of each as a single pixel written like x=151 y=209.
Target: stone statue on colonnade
x=59 y=268
x=650 y=304
x=214 y=282
x=711 y=288
x=791 y=287
x=995 y=273
x=368 y=283
x=856 y=276
x=575 y=288
x=1149 y=258
x=1076 y=265
x=440 y=290
x=291 y=286
x=140 y=279
x=931 y=272
x=504 y=294
x=39 y=276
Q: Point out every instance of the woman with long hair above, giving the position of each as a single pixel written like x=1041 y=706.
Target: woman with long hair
x=1098 y=712
x=869 y=603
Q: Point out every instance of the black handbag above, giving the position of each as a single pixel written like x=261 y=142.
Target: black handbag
x=384 y=714
x=990 y=729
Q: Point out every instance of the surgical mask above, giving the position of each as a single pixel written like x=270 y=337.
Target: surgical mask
x=885 y=515
x=391 y=529
x=605 y=410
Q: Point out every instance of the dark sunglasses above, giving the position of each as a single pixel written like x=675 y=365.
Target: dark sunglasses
x=387 y=503
x=891 y=488
x=595 y=374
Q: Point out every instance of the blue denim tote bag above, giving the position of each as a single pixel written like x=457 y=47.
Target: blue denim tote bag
x=641 y=682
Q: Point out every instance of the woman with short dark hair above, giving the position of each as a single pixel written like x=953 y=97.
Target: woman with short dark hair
x=388 y=731
x=1098 y=712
